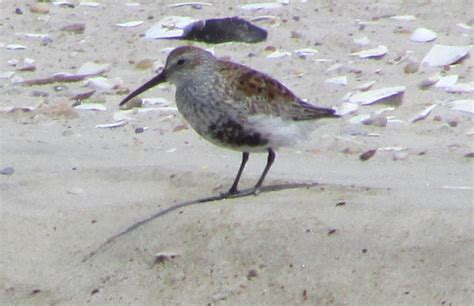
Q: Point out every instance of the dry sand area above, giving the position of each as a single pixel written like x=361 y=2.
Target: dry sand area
x=329 y=229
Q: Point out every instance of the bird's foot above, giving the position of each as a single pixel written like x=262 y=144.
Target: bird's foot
x=234 y=193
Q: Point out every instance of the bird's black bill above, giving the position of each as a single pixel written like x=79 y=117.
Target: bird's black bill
x=151 y=83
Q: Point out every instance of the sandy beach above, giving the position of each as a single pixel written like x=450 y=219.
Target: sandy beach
x=328 y=228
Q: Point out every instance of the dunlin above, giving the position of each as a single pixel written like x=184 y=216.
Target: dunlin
x=234 y=106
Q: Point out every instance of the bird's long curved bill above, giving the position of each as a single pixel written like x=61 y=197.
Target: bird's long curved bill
x=160 y=78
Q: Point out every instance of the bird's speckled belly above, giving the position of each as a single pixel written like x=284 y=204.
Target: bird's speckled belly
x=218 y=124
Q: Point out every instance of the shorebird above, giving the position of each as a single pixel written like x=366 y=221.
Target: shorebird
x=234 y=106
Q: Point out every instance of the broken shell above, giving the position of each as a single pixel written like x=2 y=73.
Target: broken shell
x=193 y=4
x=155 y=101
x=346 y=108
x=91 y=106
x=466 y=106
x=365 y=86
x=461 y=88
x=372 y=53
x=93 y=68
x=169 y=27
x=384 y=95
x=129 y=24
x=376 y=120
x=424 y=113
x=132 y=4
x=6 y=74
x=261 y=6
x=112 y=125
x=101 y=83
x=221 y=30
x=306 y=52
x=278 y=54
x=427 y=83
x=15 y=47
x=33 y=35
x=423 y=35
x=442 y=55
x=447 y=81
x=403 y=17
x=341 y=80
x=89 y=4
x=362 y=41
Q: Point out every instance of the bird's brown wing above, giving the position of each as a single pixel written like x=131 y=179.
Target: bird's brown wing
x=261 y=94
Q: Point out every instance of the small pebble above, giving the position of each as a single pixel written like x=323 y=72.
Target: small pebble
x=367 y=155
x=7 y=171
x=139 y=130
x=411 y=67
x=469 y=155
x=77 y=28
x=18 y=11
x=453 y=123
x=341 y=203
x=144 y=64
x=39 y=8
x=252 y=273
x=331 y=231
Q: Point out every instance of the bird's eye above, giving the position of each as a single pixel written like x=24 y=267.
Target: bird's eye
x=180 y=62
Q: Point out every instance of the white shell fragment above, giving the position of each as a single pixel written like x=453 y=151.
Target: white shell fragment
x=33 y=35
x=403 y=17
x=423 y=35
x=375 y=52
x=461 y=88
x=442 y=55
x=6 y=74
x=466 y=106
x=172 y=26
x=92 y=68
x=129 y=24
x=155 y=101
x=278 y=54
x=377 y=95
x=340 y=80
x=190 y=4
x=424 y=113
x=361 y=41
x=365 y=86
x=132 y=4
x=346 y=108
x=111 y=125
x=89 y=4
x=101 y=84
x=15 y=47
x=91 y=106
x=261 y=6
x=306 y=52
x=447 y=81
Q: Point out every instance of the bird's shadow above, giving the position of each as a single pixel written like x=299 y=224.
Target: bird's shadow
x=161 y=213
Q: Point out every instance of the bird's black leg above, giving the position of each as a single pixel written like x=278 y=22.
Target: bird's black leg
x=233 y=189
x=270 y=160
